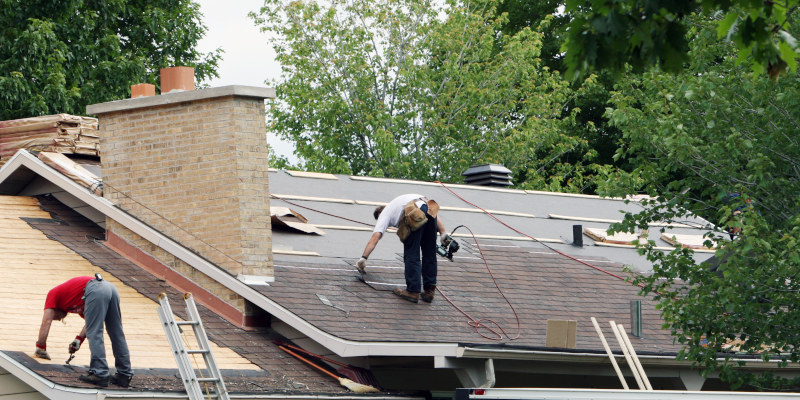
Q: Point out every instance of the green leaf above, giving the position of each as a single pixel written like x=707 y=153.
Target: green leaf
x=789 y=55
x=726 y=26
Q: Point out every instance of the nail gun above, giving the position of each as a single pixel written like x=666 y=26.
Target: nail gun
x=448 y=249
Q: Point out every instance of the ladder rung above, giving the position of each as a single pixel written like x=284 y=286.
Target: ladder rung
x=207 y=379
x=187 y=323
x=197 y=351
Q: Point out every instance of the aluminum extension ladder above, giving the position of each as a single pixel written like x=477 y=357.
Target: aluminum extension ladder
x=181 y=353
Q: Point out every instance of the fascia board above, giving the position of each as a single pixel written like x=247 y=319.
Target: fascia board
x=339 y=346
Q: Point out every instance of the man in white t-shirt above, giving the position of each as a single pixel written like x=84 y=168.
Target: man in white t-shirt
x=421 y=273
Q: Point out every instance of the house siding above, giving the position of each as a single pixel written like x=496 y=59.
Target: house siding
x=12 y=388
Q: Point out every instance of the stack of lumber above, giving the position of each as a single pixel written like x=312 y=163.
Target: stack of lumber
x=60 y=133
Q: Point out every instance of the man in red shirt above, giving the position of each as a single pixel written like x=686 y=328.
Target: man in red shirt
x=96 y=301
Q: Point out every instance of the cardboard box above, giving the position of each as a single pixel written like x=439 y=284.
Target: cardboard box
x=561 y=333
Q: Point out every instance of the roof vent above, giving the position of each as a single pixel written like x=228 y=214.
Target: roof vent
x=488 y=175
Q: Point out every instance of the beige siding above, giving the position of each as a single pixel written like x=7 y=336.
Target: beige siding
x=12 y=388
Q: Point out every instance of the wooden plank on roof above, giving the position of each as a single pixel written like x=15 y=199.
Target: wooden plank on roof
x=313 y=198
x=503 y=237
x=296 y=253
x=630 y=246
x=586 y=219
x=459 y=209
x=19 y=200
x=696 y=242
x=371 y=203
x=389 y=180
x=484 y=188
x=284 y=216
x=614 y=221
x=316 y=175
x=346 y=227
x=495 y=212
x=601 y=235
x=577 y=195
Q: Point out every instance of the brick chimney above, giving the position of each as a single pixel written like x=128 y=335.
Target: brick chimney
x=193 y=165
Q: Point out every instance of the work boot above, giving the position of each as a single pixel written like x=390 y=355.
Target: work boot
x=121 y=380
x=94 y=379
x=410 y=296
x=427 y=294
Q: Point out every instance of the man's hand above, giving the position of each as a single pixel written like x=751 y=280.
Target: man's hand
x=362 y=265
x=41 y=352
x=446 y=239
x=76 y=344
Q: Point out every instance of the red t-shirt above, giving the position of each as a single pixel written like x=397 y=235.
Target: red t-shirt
x=68 y=296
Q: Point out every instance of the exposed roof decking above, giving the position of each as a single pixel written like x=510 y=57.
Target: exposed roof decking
x=32 y=264
x=268 y=370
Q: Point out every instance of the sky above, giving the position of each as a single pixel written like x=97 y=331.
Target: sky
x=248 y=59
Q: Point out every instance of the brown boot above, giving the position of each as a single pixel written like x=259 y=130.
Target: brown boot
x=428 y=293
x=410 y=296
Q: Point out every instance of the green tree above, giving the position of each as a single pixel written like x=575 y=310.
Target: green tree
x=594 y=141
x=609 y=34
x=716 y=142
x=59 y=56
x=412 y=89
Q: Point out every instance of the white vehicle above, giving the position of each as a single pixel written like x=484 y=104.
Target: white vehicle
x=616 y=394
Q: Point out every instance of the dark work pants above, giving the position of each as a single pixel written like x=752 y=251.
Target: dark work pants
x=423 y=239
x=102 y=306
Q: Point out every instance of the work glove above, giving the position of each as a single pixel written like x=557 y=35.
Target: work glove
x=41 y=352
x=446 y=239
x=362 y=265
x=76 y=344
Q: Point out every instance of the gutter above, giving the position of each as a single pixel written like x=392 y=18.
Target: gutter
x=339 y=346
x=589 y=357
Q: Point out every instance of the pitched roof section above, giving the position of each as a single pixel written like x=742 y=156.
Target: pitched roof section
x=301 y=277
x=33 y=264
x=49 y=243
x=539 y=286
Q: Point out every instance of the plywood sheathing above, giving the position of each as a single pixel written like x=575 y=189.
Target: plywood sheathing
x=32 y=264
x=284 y=216
x=690 y=241
x=59 y=133
x=279 y=371
x=72 y=170
x=601 y=235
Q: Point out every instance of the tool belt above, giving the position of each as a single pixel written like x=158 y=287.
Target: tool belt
x=414 y=218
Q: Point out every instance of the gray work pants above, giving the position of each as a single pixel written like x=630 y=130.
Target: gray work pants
x=102 y=305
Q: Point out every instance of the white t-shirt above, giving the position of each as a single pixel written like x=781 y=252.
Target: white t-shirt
x=390 y=216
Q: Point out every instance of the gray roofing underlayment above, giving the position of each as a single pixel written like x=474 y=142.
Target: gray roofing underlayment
x=341 y=244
